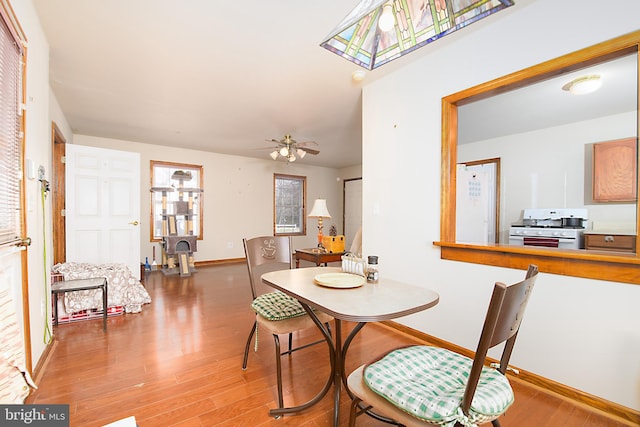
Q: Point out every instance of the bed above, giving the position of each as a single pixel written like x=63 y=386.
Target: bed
x=124 y=289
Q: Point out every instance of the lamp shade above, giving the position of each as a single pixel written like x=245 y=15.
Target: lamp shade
x=319 y=209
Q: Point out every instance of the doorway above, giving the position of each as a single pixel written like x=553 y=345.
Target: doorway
x=352 y=220
x=478 y=201
x=58 y=179
x=102 y=215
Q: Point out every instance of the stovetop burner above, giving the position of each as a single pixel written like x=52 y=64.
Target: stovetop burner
x=553 y=218
x=547 y=226
x=561 y=228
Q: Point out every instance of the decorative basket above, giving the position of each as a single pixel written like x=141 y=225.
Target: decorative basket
x=354 y=265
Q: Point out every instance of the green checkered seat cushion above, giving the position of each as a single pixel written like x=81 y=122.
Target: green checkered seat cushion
x=277 y=306
x=429 y=383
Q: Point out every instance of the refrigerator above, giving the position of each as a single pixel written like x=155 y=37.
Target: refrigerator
x=476 y=192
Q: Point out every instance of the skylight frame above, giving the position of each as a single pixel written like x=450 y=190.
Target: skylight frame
x=359 y=39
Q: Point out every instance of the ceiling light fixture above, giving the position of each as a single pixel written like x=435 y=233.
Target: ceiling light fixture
x=291 y=150
x=378 y=31
x=583 y=85
x=358 y=75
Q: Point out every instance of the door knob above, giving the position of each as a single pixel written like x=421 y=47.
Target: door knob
x=134 y=223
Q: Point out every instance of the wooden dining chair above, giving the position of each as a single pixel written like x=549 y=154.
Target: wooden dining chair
x=424 y=385
x=276 y=312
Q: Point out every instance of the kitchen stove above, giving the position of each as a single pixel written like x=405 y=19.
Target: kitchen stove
x=555 y=228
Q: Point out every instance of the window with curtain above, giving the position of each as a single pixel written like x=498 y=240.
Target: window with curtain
x=288 y=201
x=10 y=131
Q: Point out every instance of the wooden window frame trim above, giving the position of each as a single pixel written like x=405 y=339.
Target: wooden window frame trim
x=8 y=15
x=154 y=163
x=616 y=267
x=303 y=178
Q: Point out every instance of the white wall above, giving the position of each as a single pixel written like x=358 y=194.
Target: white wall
x=579 y=332
x=351 y=172
x=37 y=149
x=238 y=195
x=57 y=117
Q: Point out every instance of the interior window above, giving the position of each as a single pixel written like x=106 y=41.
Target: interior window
x=289 y=194
x=618 y=263
x=176 y=199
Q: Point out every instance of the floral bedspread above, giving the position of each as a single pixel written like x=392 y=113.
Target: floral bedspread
x=123 y=289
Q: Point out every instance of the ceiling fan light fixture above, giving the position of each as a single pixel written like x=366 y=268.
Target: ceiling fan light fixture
x=583 y=85
x=387 y=21
x=290 y=150
x=358 y=75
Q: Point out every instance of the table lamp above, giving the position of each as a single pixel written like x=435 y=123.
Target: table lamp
x=320 y=211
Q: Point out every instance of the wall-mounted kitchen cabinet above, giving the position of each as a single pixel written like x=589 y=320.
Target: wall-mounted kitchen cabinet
x=615 y=171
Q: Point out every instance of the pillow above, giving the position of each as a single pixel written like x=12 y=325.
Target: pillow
x=429 y=383
x=277 y=306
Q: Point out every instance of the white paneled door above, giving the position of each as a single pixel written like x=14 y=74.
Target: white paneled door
x=103 y=206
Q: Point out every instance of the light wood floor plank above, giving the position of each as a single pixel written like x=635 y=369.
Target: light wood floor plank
x=178 y=363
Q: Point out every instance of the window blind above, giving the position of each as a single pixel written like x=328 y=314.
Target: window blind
x=10 y=134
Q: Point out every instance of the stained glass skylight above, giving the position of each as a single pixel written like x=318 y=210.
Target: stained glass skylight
x=358 y=38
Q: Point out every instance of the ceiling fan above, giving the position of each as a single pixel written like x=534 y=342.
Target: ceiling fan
x=288 y=148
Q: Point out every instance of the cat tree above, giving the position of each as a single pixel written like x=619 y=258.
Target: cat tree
x=178 y=241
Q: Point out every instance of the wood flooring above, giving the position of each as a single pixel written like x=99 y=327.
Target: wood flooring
x=178 y=363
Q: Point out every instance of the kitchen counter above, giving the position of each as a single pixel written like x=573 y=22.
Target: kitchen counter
x=615 y=232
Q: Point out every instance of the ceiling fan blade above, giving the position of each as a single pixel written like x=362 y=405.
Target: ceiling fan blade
x=307 y=143
x=291 y=144
x=309 y=150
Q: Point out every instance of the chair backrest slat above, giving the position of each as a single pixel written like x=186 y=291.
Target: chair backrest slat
x=265 y=254
x=504 y=316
